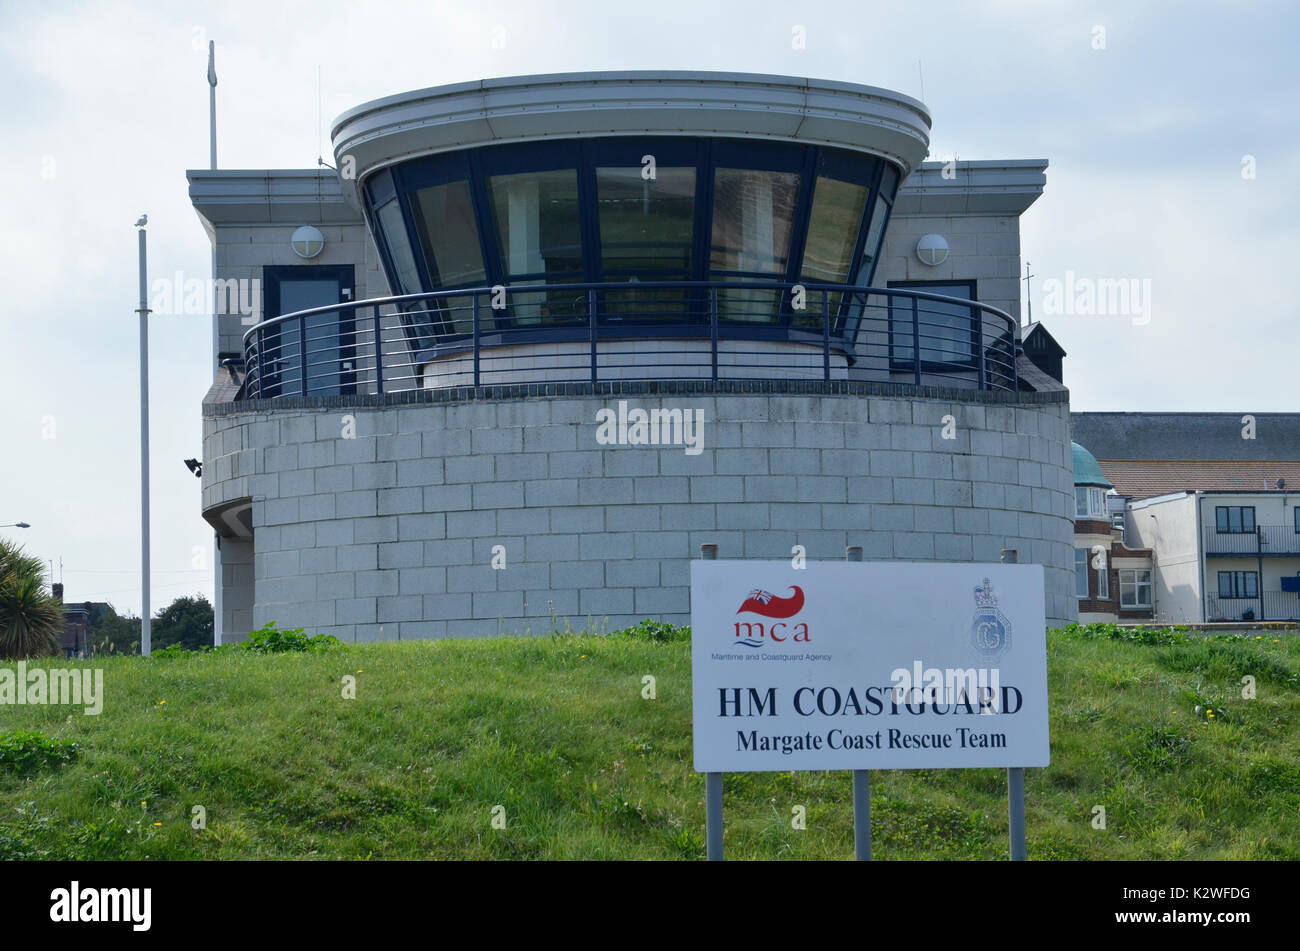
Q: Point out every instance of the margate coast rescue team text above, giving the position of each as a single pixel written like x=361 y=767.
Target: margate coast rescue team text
x=869 y=702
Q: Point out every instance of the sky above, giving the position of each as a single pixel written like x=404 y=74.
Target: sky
x=1171 y=130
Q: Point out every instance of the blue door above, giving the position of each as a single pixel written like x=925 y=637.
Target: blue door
x=324 y=364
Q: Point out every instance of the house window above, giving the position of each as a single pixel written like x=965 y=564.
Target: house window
x=1103 y=584
x=1089 y=502
x=1296 y=513
x=1081 y=573
x=1134 y=588
x=1234 y=519
x=1238 y=584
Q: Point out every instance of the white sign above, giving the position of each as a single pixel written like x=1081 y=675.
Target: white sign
x=867 y=665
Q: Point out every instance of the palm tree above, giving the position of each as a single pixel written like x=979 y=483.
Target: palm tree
x=31 y=618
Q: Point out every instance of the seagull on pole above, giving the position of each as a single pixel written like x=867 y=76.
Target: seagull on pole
x=144 y=220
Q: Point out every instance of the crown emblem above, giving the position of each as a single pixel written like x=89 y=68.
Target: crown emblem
x=984 y=596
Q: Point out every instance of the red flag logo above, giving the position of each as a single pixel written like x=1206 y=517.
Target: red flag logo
x=769 y=605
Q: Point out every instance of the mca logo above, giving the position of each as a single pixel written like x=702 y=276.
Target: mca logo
x=778 y=610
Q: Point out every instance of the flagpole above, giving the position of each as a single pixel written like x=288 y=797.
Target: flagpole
x=217 y=605
x=212 y=104
x=145 y=610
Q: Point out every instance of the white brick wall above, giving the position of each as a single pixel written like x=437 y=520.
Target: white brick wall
x=355 y=535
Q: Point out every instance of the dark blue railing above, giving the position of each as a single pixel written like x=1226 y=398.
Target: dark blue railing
x=632 y=331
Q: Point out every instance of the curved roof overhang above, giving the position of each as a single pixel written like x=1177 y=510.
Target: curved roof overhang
x=866 y=119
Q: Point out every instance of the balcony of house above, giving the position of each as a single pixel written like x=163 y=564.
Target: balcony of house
x=1281 y=605
x=1249 y=540
x=647 y=330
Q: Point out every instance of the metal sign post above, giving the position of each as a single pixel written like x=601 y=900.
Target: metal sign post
x=1015 y=777
x=712 y=781
x=861 y=779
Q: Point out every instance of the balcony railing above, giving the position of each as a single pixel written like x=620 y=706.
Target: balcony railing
x=551 y=333
x=1265 y=540
x=1266 y=606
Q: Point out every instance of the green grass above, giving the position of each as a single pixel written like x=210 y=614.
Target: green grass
x=555 y=730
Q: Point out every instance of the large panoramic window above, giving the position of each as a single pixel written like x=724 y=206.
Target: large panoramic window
x=539 y=238
x=625 y=211
x=947 y=328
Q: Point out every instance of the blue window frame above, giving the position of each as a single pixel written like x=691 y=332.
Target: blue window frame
x=949 y=331
x=579 y=210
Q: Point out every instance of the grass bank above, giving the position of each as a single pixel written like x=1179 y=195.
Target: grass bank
x=555 y=730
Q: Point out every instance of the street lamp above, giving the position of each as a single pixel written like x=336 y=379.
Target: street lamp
x=16 y=525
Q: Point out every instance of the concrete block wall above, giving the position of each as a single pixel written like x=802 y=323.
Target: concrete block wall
x=391 y=533
x=242 y=251
x=981 y=248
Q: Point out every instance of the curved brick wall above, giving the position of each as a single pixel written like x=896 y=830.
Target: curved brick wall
x=394 y=528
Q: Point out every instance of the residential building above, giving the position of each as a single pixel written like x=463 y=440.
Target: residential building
x=1214 y=496
x=1112 y=581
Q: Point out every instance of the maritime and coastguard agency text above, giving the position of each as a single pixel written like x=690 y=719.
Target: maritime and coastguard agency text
x=1182 y=916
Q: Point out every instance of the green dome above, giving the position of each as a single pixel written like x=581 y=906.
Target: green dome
x=1086 y=469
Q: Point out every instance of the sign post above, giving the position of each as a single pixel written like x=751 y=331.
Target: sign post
x=862 y=666
x=1015 y=777
x=712 y=781
x=861 y=779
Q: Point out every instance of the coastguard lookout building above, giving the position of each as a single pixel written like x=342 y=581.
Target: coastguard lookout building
x=535 y=340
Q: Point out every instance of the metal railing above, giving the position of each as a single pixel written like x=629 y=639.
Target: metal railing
x=547 y=333
x=1264 y=540
x=1265 y=606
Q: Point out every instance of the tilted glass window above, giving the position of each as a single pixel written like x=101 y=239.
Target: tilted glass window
x=1103 y=584
x=647 y=233
x=753 y=216
x=449 y=236
x=399 y=245
x=646 y=226
x=833 y=230
x=539 y=238
x=1081 y=573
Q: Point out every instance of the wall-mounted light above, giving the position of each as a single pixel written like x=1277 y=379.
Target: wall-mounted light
x=194 y=466
x=307 y=241
x=932 y=249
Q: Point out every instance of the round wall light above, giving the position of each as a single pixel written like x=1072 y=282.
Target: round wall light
x=932 y=249
x=307 y=242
